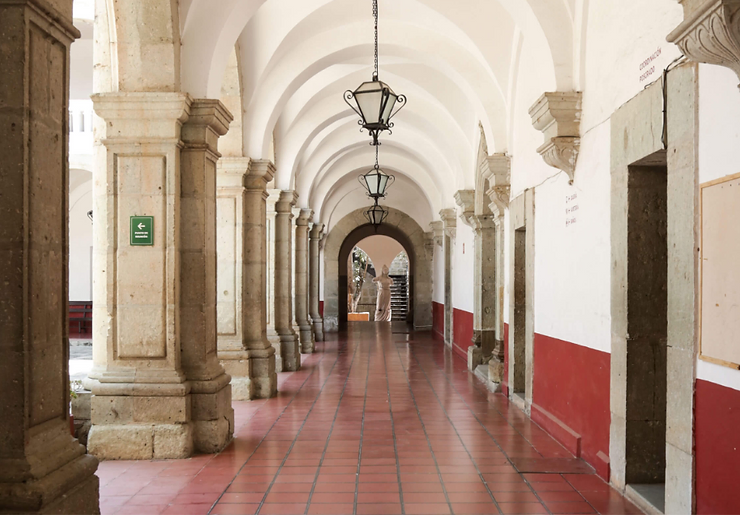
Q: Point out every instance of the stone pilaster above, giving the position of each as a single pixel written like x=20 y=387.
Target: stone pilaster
x=283 y=298
x=314 y=282
x=43 y=469
x=273 y=195
x=243 y=347
x=710 y=32
x=449 y=224
x=210 y=392
x=301 y=281
x=293 y=256
x=558 y=116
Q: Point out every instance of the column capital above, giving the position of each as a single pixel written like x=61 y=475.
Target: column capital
x=466 y=200
x=317 y=231
x=258 y=175
x=484 y=222
x=304 y=217
x=710 y=33
x=438 y=231
x=138 y=117
x=449 y=221
x=558 y=116
x=286 y=201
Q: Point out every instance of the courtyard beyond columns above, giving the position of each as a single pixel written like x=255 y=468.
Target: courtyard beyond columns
x=378 y=421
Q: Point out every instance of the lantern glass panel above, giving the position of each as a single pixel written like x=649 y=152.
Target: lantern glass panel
x=372 y=183
x=389 y=105
x=369 y=97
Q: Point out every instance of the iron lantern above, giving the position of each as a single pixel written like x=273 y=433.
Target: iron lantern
x=376 y=182
x=376 y=215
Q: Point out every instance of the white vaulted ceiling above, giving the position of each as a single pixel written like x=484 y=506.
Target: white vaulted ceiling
x=457 y=62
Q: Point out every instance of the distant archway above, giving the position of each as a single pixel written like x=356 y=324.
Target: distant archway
x=352 y=229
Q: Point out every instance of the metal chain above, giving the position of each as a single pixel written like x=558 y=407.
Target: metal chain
x=377 y=148
x=375 y=15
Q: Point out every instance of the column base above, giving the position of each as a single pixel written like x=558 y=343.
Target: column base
x=318 y=329
x=274 y=340
x=239 y=367
x=264 y=378
x=140 y=421
x=70 y=487
x=212 y=414
x=475 y=357
x=290 y=351
x=496 y=370
x=307 y=339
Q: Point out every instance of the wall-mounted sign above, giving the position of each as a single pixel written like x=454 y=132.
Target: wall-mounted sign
x=142 y=231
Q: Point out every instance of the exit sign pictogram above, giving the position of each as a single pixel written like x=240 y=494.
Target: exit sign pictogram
x=142 y=231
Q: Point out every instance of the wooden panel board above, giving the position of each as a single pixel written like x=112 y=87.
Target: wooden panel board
x=720 y=272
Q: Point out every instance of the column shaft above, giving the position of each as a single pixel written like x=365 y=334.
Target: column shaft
x=42 y=467
x=315 y=234
x=243 y=348
x=210 y=392
x=301 y=281
x=273 y=196
x=283 y=298
x=485 y=279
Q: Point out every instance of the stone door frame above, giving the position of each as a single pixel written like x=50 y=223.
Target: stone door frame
x=637 y=134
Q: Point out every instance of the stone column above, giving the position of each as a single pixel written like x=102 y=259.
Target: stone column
x=301 y=281
x=210 y=391
x=316 y=234
x=449 y=223
x=273 y=196
x=42 y=467
x=289 y=343
x=158 y=391
x=243 y=348
x=293 y=255
x=484 y=321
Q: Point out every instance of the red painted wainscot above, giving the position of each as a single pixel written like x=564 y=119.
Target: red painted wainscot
x=321 y=308
x=462 y=325
x=717 y=449
x=505 y=382
x=571 y=398
x=438 y=318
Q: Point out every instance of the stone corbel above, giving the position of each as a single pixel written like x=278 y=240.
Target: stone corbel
x=449 y=222
x=466 y=200
x=558 y=116
x=710 y=33
x=499 y=181
x=438 y=231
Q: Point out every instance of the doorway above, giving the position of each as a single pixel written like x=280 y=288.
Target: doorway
x=647 y=327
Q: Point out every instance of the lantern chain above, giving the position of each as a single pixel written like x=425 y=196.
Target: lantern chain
x=376 y=157
x=375 y=15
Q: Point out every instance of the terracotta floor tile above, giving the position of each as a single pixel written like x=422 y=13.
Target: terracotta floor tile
x=443 y=426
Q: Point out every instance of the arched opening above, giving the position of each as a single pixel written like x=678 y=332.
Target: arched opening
x=365 y=232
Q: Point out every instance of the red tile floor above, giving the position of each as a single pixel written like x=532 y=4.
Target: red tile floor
x=376 y=422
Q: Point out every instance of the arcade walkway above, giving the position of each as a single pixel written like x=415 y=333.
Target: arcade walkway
x=430 y=438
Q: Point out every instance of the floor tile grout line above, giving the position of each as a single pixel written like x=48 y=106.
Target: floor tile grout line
x=457 y=392
x=362 y=434
x=331 y=430
x=423 y=428
x=393 y=430
x=581 y=493
x=277 y=419
x=480 y=474
x=303 y=424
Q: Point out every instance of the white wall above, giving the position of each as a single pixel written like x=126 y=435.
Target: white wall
x=719 y=139
x=463 y=266
x=80 y=236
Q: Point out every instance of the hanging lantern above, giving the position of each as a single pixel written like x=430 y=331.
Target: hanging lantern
x=376 y=181
x=374 y=101
x=376 y=215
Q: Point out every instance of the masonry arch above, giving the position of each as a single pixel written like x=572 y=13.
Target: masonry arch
x=351 y=230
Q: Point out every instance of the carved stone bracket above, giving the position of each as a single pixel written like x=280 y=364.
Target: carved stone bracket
x=710 y=33
x=438 y=231
x=558 y=116
x=449 y=222
x=498 y=174
x=466 y=200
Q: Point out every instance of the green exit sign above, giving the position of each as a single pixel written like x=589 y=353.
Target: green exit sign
x=142 y=231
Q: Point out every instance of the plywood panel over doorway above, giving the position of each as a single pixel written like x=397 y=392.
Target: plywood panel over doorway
x=720 y=274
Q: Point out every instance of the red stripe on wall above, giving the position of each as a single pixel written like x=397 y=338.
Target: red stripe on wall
x=438 y=318
x=462 y=325
x=505 y=382
x=321 y=308
x=571 y=398
x=717 y=448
